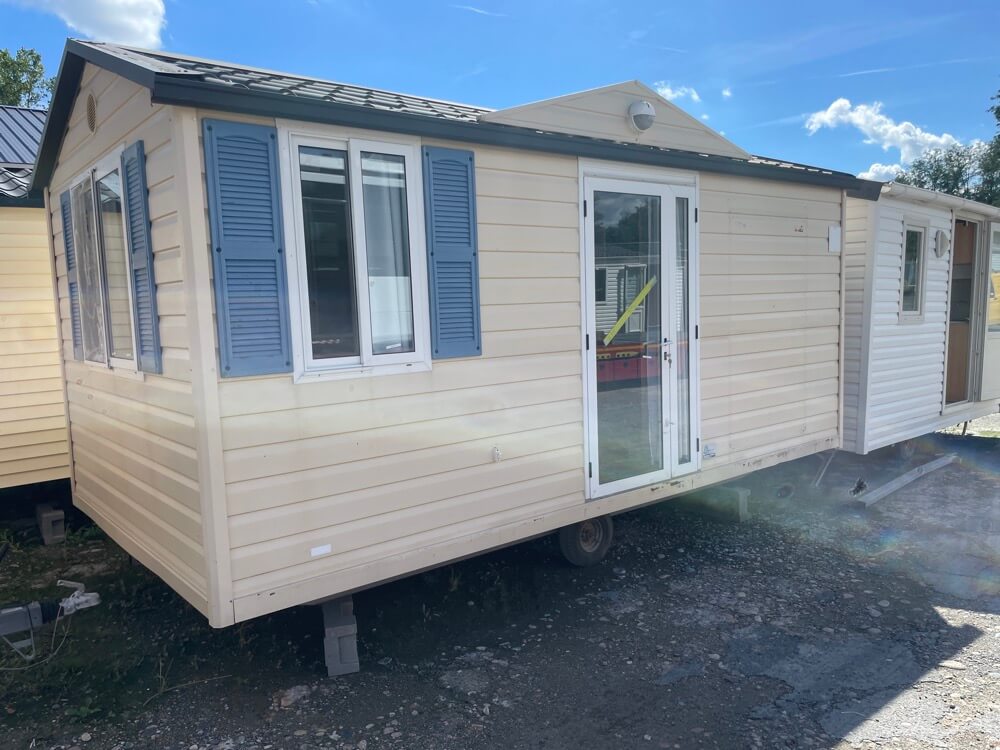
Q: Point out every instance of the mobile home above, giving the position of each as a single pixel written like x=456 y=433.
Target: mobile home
x=922 y=271
x=32 y=413
x=352 y=334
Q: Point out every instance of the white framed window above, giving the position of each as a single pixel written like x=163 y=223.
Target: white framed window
x=911 y=300
x=103 y=265
x=353 y=211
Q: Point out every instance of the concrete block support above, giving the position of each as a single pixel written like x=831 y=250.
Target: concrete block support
x=340 y=645
x=51 y=524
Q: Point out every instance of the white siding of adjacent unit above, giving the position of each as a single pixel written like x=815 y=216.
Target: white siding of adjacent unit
x=770 y=319
x=907 y=359
x=858 y=234
x=32 y=414
x=134 y=440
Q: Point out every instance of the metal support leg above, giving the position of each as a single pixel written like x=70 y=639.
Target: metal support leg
x=340 y=645
x=826 y=465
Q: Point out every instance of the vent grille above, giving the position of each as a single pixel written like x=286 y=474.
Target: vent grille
x=91 y=113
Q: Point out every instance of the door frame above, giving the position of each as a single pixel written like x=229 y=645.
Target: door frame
x=669 y=184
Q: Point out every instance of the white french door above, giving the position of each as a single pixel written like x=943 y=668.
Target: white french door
x=641 y=348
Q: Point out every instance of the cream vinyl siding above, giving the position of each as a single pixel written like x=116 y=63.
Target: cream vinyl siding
x=133 y=439
x=602 y=113
x=32 y=414
x=380 y=466
x=770 y=318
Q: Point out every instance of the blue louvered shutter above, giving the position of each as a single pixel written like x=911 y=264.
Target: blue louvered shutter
x=244 y=206
x=147 y=324
x=74 y=287
x=452 y=252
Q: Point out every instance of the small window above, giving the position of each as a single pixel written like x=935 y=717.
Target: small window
x=103 y=266
x=600 y=285
x=913 y=272
x=356 y=255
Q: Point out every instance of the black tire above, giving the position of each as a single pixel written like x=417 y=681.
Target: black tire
x=586 y=543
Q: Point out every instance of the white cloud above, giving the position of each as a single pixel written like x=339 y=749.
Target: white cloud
x=704 y=117
x=879 y=129
x=670 y=93
x=135 y=22
x=727 y=92
x=881 y=172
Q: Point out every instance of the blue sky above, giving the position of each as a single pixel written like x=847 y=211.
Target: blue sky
x=846 y=85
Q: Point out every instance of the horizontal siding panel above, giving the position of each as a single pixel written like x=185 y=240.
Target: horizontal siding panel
x=276 y=394
x=300 y=455
x=334 y=419
x=309 y=516
x=273 y=555
x=537 y=265
x=286 y=489
x=720 y=408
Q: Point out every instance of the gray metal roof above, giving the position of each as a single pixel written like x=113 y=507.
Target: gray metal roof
x=14 y=181
x=20 y=134
x=273 y=82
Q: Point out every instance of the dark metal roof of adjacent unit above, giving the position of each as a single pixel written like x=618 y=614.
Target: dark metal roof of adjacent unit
x=20 y=133
x=189 y=81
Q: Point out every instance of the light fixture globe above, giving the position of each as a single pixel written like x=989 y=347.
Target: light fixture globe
x=641 y=115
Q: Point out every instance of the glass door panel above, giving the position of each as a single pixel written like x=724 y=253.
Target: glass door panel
x=627 y=249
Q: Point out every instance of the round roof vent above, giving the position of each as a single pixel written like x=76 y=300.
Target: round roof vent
x=91 y=113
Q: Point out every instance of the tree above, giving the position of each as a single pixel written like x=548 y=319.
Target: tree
x=955 y=170
x=22 y=79
x=971 y=171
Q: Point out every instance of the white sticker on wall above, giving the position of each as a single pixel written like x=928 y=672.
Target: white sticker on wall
x=323 y=549
x=834 y=238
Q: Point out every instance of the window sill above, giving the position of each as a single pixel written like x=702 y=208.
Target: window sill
x=353 y=373
x=910 y=318
x=116 y=370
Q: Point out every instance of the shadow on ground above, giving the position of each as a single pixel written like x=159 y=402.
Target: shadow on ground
x=809 y=624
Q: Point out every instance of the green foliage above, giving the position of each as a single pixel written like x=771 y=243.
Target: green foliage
x=22 y=79
x=971 y=171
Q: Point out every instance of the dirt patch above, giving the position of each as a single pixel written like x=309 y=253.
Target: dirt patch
x=809 y=626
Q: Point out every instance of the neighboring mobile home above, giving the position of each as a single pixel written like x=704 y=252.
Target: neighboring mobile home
x=32 y=410
x=923 y=316
x=354 y=334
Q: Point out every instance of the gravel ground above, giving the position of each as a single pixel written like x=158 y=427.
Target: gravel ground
x=817 y=624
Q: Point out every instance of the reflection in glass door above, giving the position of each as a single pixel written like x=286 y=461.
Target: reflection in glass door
x=627 y=240
x=642 y=365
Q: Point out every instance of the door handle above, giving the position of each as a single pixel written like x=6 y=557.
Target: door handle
x=668 y=356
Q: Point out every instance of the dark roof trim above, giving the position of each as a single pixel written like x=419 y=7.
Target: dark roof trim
x=33 y=199
x=60 y=109
x=188 y=90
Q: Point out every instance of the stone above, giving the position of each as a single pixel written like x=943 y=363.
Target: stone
x=293 y=695
x=952 y=664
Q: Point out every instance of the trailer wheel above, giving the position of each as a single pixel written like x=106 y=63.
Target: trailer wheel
x=586 y=543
